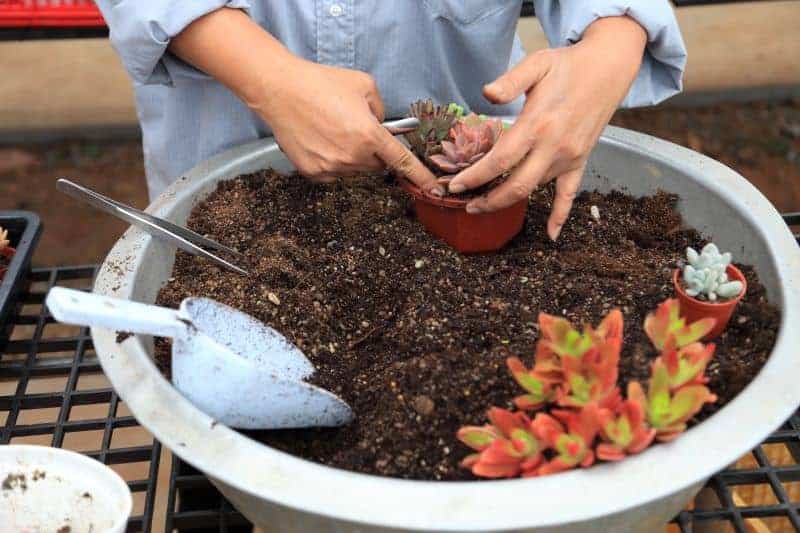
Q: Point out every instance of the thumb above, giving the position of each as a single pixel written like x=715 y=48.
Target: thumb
x=519 y=79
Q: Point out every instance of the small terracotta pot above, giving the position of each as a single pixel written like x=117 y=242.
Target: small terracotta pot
x=447 y=219
x=7 y=252
x=693 y=309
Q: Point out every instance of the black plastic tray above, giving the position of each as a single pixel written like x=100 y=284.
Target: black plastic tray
x=24 y=229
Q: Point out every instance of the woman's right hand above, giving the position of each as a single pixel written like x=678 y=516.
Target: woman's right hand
x=325 y=119
x=327 y=122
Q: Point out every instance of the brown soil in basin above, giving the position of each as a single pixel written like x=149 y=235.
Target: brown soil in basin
x=413 y=335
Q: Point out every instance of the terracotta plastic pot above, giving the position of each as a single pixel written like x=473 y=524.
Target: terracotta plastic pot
x=693 y=309
x=7 y=252
x=447 y=219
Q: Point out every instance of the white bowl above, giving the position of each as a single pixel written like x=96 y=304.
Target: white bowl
x=283 y=493
x=49 y=490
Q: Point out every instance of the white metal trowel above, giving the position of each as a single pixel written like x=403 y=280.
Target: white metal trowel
x=228 y=364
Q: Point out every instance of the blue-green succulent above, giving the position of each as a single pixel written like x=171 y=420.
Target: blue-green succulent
x=705 y=274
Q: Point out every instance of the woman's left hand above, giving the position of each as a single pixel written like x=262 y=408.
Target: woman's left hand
x=571 y=94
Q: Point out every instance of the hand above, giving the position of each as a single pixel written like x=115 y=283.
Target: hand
x=571 y=94
x=327 y=121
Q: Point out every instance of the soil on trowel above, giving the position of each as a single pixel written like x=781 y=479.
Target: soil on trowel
x=414 y=335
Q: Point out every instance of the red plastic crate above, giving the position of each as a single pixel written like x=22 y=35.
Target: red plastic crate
x=49 y=14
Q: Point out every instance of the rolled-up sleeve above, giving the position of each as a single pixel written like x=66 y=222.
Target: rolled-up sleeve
x=661 y=73
x=140 y=31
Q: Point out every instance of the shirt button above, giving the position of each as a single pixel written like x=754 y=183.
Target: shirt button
x=336 y=10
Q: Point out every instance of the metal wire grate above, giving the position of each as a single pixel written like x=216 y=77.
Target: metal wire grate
x=770 y=475
x=53 y=392
x=195 y=505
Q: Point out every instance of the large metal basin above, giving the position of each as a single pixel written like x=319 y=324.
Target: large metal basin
x=282 y=493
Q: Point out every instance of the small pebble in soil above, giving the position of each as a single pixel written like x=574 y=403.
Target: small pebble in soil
x=423 y=405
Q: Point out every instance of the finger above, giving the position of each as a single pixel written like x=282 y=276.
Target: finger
x=524 y=179
x=372 y=164
x=399 y=158
x=518 y=79
x=375 y=103
x=566 y=189
x=510 y=149
x=365 y=164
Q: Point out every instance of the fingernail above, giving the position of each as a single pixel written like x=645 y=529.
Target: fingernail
x=437 y=191
x=495 y=89
x=456 y=188
x=474 y=209
x=555 y=233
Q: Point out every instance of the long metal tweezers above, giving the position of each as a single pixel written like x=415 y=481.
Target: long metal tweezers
x=182 y=238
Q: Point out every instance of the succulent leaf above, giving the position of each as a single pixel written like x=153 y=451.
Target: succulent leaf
x=538 y=388
x=477 y=437
x=456 y=110
x=624 y=431
x=561 y=338
x=589 y=360
x=4 y=242
x=506 y=448
x=668 y=411
x=570 y=434
x=666 y=322
x=687 y=365
x=506 y=421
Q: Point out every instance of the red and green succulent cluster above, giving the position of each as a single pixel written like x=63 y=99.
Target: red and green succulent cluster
x=449 y=141
x=577 y=412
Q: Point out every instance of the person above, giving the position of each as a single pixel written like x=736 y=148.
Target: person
x=321 y=75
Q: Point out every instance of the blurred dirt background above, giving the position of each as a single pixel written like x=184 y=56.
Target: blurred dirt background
x=761 y=140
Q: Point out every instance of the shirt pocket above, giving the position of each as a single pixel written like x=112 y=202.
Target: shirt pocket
x=468 y=12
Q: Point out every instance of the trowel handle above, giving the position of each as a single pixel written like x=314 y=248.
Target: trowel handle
x=87 y=309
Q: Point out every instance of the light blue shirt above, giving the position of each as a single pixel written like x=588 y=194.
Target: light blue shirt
x=441 y=49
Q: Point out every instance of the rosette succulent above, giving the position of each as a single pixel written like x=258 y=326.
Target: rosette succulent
x=448 y=140
x=470 y=139
x=705 y=275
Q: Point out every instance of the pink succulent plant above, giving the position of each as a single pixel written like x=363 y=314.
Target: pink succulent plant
x=470 y=139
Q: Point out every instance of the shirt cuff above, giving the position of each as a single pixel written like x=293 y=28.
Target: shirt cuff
x=141 y=32
x=661 y=73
